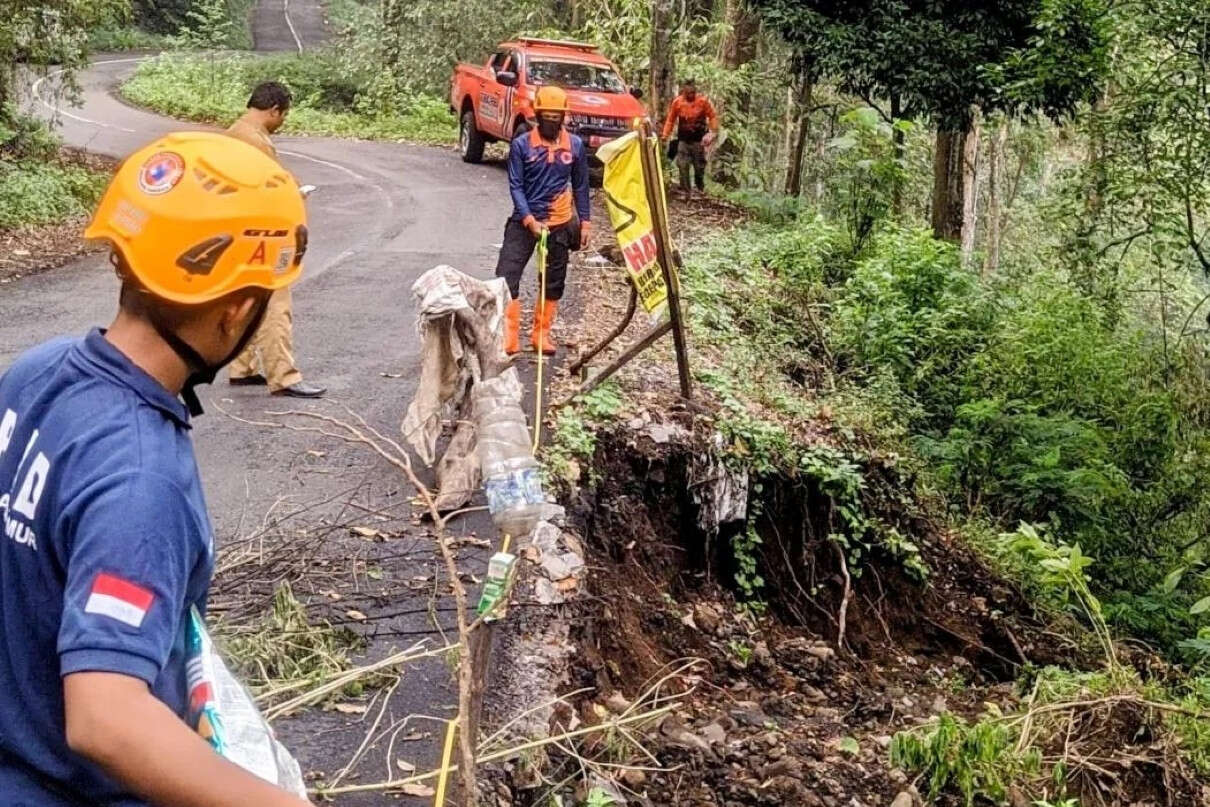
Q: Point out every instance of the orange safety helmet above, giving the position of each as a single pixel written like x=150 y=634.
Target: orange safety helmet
x=550 y=98
x=197 y=215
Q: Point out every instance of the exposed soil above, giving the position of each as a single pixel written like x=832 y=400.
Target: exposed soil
x=774 y=713
x=36 y=248
x=776 y=709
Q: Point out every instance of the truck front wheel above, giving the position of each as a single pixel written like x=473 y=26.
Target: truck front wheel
x=470 y=139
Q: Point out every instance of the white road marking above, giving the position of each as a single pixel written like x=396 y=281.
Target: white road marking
x=37 y=91
x=348 y=171
x=285 y=9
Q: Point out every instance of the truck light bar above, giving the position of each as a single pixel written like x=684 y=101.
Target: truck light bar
x=559 y=43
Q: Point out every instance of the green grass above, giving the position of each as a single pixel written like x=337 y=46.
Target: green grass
x=215 y=88
x=34 y=192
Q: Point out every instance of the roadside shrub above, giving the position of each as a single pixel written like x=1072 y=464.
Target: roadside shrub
x=43 y=193
x=1017 y=397
x=327 y=98
x=23 y=137
x=911 y=308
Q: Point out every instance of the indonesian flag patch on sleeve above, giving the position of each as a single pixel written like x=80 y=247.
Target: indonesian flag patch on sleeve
x=119 y=599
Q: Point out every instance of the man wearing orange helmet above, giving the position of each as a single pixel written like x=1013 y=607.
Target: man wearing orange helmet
x=548 y=181
x=107 y=547
x=269 y=357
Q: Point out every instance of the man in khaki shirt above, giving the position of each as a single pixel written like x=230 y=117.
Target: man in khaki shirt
x=274 y=341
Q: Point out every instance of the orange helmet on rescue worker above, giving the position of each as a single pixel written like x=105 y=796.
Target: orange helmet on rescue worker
x=194 y=217
x=550 y=98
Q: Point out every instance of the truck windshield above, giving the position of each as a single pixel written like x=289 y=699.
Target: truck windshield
x=576 y=76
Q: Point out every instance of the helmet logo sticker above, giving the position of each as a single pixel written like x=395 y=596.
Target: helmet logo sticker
x=259 y=255
x=161 y=172
x=201 y=258
x=565 y=157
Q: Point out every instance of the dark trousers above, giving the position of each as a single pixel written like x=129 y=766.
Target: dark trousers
x=518 y=246
x=691 y=154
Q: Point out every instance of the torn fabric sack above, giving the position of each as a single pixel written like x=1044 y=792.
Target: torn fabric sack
x=460 y=320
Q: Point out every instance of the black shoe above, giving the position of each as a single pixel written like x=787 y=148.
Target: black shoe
x=257 y=380
x=301 y=390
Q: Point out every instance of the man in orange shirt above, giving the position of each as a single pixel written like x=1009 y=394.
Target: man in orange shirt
x=696 y=124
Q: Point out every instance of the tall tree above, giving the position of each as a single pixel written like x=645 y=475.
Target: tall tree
x=941 y=59
x=662 y=71
x=739 y=49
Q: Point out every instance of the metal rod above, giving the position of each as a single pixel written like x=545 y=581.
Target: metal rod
x=653 y=182
x=617 y=364
x=579 y=363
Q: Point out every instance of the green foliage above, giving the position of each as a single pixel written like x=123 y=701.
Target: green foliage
x=214 y=24
x=745 y=547
x=286 y=647
x=574 y=438
x=868 y=172
x=426 y=38
x=160 y=16
x=39 y=34
x=44 y=193
x=1059 y=568
x=598 y=798
x=911 y=308
x=125 y=37
x=23 y=137
x=978 y=760
x=215 y=89
x=938 y=59
x=1020 y=398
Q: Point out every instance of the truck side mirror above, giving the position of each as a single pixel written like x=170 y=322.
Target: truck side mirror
x=507 y=78
x=636 y=92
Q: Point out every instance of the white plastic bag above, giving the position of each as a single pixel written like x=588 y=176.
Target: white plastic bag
x=222 y=712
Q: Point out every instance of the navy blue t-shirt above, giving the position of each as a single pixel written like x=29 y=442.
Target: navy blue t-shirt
x=105 y=546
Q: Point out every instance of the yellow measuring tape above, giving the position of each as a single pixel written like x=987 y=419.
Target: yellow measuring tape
x=443 y=779
x=542 y=342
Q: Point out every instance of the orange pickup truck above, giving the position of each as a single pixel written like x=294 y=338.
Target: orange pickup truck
x=495 y=102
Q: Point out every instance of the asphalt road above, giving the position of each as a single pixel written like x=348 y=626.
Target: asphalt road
x=383 y=215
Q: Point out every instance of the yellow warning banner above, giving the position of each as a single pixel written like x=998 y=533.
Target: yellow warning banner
x=630 y=214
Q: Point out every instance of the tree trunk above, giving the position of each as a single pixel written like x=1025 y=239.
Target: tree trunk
x=995 y=172
x=900 y=145
x=949 y=183
x=662 y=77
x=806 y=94
x=392 y=39
x=739 y=48
x=970 y=190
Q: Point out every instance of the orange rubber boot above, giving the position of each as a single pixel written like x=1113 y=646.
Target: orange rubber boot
x=512 y=327
x=544 y=320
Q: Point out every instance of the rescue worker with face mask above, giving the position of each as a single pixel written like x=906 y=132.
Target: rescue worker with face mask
x=548 y=181
x=269 y=357
x=692 y=118
x=107 y=546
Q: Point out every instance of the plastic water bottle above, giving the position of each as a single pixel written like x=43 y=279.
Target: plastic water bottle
x=510 y=472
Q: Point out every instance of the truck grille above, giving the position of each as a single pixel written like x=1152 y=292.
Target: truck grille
x=600 y=123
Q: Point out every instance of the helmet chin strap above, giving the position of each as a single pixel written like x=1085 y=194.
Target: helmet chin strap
x=200 y=371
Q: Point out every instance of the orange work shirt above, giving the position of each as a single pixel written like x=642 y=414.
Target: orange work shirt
x=690 y=118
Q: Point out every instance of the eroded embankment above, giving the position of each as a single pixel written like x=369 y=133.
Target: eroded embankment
x=793 y=623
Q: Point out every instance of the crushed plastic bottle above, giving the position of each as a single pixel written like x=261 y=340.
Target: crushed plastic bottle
x=510 y=472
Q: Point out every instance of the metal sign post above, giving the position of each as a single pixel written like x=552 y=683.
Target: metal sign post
x=654 y=183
